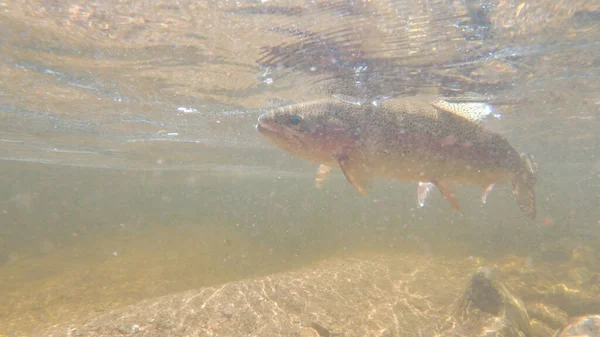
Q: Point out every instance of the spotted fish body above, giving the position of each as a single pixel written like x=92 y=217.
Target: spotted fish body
x=431 y=142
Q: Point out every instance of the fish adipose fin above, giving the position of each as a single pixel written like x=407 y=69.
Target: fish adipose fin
x=523 y=186
x=322 y=173
x=447 y=191
x=356 y=174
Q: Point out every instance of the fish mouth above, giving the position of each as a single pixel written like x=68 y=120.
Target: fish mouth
x=269 y=128
x=265 y=125
x=277 y=133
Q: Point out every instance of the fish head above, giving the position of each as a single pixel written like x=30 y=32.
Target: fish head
x=311 y=131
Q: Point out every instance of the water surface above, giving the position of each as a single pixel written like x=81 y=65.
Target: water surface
x=131 y=168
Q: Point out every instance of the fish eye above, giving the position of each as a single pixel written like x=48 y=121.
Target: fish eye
x=295 y=120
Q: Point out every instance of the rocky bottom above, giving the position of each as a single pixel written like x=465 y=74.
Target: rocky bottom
x=408 y=295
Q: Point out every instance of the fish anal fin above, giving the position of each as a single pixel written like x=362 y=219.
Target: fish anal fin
x=449 y=194
x=423 y=191
x=322 y=173
x=356 y=174
x=486 y=191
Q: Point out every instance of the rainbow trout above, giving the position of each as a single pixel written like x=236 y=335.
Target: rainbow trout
x=434 y=143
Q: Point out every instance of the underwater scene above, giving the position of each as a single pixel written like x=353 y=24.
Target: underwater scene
x=426 y=168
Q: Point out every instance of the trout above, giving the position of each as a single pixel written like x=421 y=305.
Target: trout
x=429 y=141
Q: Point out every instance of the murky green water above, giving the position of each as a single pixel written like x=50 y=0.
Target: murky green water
x=130 y=166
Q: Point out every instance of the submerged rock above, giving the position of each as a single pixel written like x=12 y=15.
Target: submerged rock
x=551 y=315
x=382 y=297
x=585 y=326
x=488 y=308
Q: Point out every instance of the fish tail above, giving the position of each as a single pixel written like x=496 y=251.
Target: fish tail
x=523 y=185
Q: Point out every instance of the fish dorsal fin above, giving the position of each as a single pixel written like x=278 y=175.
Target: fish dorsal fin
x=411 y=106
x=375 y=101
x=349 y=99
x=476 y=112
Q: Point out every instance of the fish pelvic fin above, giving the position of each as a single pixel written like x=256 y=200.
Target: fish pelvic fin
x=322 y=173
x=423 y=191
x=486 y=192
x=523 y=186
x=449 y=194
x=357 y=174
x=446 y=190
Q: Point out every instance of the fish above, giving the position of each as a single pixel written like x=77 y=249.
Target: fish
x=430 y=141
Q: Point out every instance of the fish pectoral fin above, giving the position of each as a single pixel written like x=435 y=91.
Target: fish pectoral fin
x=448 y=193
x=423 y=191
x=486 y=191
x=356 y=174
x=322 y=173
